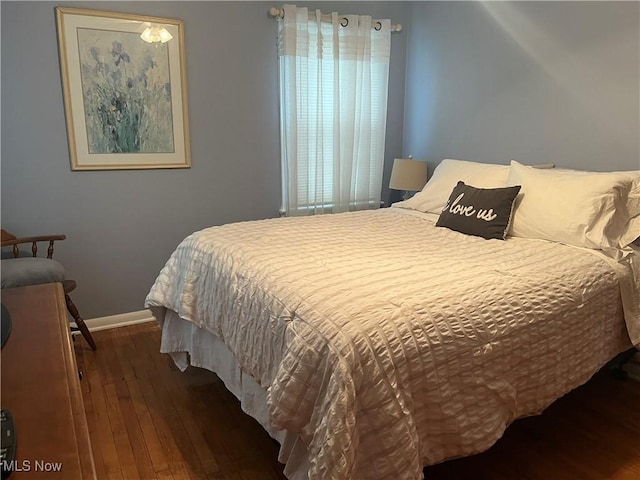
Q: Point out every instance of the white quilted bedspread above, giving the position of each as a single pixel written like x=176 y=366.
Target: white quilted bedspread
x=388 y=343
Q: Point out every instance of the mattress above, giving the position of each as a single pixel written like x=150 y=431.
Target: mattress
x=385 y=343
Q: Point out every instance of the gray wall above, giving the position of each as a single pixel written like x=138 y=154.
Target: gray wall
x=540 y=82
x=535 y=81
x=123 y=225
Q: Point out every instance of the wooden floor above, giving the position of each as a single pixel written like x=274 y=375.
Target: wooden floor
x=148 y=420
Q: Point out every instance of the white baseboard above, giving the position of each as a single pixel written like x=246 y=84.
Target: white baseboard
x=119 y=320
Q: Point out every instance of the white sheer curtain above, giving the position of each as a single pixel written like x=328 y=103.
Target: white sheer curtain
x=334 y=75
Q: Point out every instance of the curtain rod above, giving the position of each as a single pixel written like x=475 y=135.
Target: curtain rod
x=279 y=13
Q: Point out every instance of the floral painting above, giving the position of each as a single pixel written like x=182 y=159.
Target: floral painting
x=127 y=93
x=124 y=87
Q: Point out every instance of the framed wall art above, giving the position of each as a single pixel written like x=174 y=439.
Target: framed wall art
x=125 y=90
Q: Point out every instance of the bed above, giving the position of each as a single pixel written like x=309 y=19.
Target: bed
x=373 y=343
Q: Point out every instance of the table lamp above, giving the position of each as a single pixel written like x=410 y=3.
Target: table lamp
x=409 y=175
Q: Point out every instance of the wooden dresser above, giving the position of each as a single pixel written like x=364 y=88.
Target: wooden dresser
x=41 y=387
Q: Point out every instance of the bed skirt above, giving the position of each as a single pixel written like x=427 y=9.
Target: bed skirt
x=190 y=345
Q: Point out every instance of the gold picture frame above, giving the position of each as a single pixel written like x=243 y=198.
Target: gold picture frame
x=125 y=98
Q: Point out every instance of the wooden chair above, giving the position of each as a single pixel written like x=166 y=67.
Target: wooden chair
x=19 y=270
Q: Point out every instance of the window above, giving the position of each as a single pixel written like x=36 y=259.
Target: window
x=334 y=72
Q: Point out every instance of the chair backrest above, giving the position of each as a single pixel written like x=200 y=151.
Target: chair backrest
x=6 y=235
x=10 y=240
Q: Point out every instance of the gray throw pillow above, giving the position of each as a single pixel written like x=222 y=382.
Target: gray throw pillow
x=483 y=212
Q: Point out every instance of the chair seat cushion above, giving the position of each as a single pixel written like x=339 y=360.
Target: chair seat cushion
x=20 y=272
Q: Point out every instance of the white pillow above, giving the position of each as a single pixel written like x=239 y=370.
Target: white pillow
x=631 y=231
x=543 y=166
x=626 y=225
x=586 y=209
x=446 y=176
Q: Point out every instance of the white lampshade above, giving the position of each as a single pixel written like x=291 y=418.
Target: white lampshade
x=408 y=175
